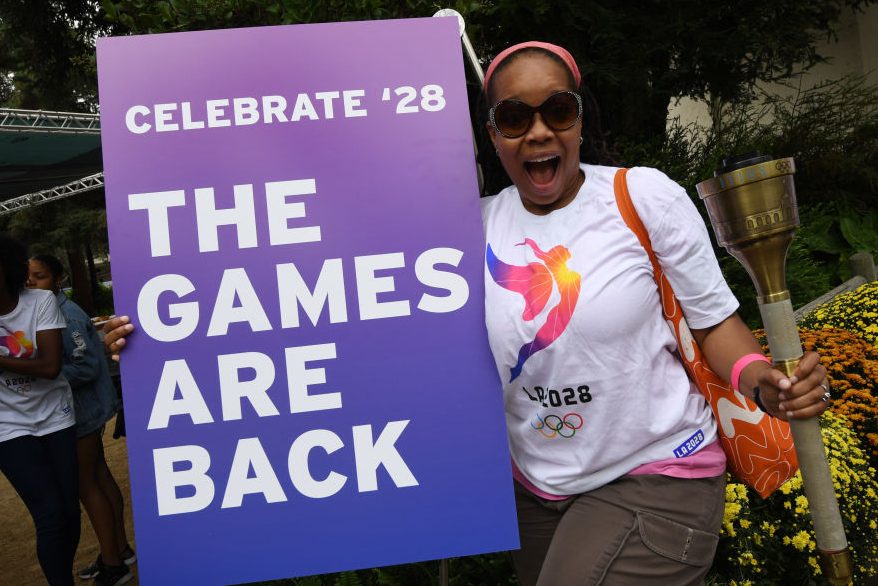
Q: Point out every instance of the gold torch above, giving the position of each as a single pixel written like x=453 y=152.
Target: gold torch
x=751 y=201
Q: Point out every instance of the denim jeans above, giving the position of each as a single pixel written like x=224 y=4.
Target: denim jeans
x=44 y=472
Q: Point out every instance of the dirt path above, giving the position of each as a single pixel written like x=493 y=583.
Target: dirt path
x=18 y=557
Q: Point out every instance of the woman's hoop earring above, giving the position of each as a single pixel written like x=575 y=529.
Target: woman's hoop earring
x=580 y=140
x=497 y=152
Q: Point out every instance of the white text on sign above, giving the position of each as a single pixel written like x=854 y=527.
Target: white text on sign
x=276 y=109
x=170 y=309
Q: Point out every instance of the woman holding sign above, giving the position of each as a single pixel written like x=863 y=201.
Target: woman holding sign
x=37 y=437
x=619 y=475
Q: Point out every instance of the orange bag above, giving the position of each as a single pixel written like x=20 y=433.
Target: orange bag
x=758 y=447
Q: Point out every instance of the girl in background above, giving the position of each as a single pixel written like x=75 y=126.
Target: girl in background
x=37 y=437
x=95 y=401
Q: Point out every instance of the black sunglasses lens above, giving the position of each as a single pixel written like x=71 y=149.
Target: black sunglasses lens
x=560 y=111
x=512 y=118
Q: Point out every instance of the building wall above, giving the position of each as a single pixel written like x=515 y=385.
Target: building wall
x=867 y=25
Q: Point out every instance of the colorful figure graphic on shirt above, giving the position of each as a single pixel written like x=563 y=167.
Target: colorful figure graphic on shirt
x=14 y=344
x=534 y=283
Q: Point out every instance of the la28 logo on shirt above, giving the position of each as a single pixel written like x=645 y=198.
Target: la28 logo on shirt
x=19 y=384
x=557 y=398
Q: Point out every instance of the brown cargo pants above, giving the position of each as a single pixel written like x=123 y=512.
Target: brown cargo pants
x=637 y=530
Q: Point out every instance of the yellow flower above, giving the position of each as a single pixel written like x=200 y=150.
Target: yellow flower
x=800 y=540
x=801 y=505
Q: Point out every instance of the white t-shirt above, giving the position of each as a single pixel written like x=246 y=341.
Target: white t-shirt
x=31 y=405
x=592 y=386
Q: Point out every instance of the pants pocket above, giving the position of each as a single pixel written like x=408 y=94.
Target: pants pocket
x=676 y=541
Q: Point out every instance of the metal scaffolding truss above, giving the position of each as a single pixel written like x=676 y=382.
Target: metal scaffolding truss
x=55 y=123
x=48 y=121
x=40 y=197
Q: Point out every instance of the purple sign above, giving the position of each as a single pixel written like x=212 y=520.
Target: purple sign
x=295 y=231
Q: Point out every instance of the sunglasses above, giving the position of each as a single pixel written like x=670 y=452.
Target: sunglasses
x=513 y=118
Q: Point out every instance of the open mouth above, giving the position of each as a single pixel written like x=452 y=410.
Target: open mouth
x=543 y=169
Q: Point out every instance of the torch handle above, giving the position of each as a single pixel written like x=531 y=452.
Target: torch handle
x=817 y=480
x=786 y=350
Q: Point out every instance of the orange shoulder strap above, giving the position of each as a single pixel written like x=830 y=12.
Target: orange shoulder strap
x=632 y=219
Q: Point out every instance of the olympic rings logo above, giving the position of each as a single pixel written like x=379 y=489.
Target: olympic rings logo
x=553 y=426
x=783 y=166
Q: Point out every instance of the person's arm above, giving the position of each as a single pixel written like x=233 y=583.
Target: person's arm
x=47 y=363
x=797 y=397
x=115 y=331
x=82 y=365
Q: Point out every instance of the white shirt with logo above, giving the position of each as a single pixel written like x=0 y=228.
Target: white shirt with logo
x=592 y=386
x=31 y=405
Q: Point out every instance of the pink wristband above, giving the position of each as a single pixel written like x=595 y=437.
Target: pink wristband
x=741 y=364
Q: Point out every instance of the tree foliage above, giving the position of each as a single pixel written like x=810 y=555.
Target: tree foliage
x=147 y=16
x=74 y=230
x=640 y=54
x=636 y=56
x=48 y=63
x=47 y=60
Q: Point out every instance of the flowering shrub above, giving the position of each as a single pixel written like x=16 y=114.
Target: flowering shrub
x=855 y=311
x=852 y=367
x=771 y=541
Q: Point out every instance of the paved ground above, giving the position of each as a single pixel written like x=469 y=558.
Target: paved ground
x=18 y=558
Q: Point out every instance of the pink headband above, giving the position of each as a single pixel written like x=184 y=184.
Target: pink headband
x=561 y=52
